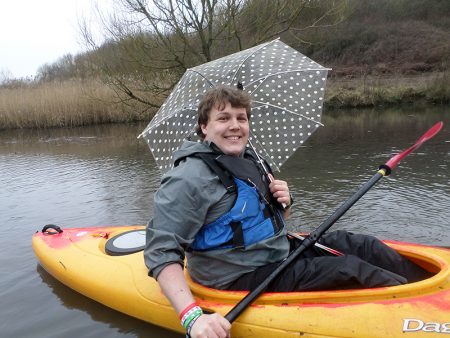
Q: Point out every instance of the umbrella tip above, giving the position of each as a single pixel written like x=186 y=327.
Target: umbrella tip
x=240 y=86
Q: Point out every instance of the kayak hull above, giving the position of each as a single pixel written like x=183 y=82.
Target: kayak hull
x=77 y=257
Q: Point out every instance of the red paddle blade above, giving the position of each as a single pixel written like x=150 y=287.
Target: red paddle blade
x=394 y=161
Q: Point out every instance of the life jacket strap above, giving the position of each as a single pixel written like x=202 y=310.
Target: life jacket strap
x=238 y=234
x=224 y=177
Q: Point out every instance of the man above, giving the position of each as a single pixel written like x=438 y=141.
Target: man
x=217 y=207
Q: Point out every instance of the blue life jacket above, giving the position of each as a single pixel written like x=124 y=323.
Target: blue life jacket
x=253 y=217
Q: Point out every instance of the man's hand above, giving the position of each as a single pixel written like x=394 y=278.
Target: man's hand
x=280 y=190
x=211 y=326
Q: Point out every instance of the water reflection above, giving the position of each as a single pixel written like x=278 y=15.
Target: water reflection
x=103 y=175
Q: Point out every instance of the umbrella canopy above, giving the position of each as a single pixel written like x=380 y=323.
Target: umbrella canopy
x=287 y=90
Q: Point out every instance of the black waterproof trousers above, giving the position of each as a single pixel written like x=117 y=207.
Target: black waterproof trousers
x=367 y=263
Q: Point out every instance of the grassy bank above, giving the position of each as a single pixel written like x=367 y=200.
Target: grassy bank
x=78 y=103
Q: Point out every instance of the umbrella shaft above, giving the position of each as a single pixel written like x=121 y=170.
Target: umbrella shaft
x=260 y=160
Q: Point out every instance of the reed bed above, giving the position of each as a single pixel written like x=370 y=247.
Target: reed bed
x=62 y=104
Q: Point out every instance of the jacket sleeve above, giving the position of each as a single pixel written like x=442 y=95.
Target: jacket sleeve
x=180 y=208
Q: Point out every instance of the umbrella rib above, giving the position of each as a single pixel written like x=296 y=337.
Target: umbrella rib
x=162 y=120
x=201 y=75
x=264 y=149
x=264 y=78
x=262 y=47
x=289 y=111
x=167 y=117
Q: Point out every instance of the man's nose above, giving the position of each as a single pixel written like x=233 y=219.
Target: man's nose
x=235 y=124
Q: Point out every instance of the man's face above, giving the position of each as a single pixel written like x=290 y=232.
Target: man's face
x=228 y=129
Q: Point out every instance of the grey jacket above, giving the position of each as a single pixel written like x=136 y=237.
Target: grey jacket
x=190 y=196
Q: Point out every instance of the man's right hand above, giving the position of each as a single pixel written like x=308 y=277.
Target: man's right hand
x=211 y=326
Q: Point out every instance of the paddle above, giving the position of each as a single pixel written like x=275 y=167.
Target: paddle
x=384 y=170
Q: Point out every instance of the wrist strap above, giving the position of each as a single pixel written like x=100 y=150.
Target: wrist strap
x=191 y=324
x=290 y=203
x=190 y=306
x=190 y=317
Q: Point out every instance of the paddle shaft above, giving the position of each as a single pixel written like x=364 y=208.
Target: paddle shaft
x=308 y=242
x=384 y=170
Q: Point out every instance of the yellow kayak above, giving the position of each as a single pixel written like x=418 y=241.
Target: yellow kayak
x=107 y=265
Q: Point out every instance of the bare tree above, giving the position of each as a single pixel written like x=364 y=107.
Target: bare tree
x=150 y=44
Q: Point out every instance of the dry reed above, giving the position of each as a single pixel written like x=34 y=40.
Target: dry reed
x=77 y=103
x=62 y=104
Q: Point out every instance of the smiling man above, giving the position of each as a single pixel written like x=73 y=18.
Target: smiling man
x=225 y=222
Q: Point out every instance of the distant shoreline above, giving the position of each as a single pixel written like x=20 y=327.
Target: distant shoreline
x=88 y=102
x=388 y=90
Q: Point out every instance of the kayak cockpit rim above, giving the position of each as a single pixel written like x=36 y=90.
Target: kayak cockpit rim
x=421 y=255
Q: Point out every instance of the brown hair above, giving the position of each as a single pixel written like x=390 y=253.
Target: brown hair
x=218 y=97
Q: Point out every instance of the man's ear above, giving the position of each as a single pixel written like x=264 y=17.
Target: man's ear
x=203 y=127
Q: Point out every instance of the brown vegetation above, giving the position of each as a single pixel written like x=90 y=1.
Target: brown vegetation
x=371 y=90
x=385 y=37
x=62 y=104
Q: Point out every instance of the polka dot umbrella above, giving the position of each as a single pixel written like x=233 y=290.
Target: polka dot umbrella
x=287 y=90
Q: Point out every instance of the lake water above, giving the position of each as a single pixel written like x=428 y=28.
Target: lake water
x=103 y=175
